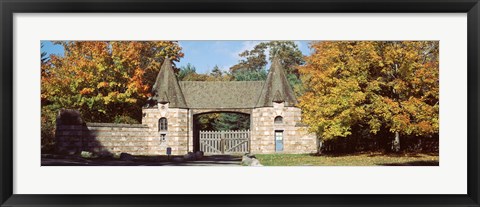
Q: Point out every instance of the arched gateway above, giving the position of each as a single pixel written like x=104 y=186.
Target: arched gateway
x=274 y=119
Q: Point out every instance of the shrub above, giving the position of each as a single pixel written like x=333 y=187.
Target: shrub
x=123 y=119
x=48 y=123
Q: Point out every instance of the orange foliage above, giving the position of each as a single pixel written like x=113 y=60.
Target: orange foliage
x=104 y=78
x=372 y=83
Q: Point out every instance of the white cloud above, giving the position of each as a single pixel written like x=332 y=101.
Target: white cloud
x=246 y=45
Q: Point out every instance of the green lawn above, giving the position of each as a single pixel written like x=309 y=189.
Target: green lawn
x=366 y=159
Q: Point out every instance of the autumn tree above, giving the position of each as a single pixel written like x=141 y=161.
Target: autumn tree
x=252 y=60
x=382 y=85
x=108 y=81
x=48 y=112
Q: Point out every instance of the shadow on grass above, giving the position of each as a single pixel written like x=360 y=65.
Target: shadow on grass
x=336 y=154
x=413 y=163
x=374 y=154
x=212 y=160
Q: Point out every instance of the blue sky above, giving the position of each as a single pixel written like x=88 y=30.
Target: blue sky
x=204 y=55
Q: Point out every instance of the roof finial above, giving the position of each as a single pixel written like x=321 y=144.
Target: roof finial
x=276 y=57
x=166 y=88
x=275 y=54
x=166 y=62
x=276 y=87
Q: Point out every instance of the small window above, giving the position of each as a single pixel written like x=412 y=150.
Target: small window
x=162 y=124
x=163 y=137
x=278 y=120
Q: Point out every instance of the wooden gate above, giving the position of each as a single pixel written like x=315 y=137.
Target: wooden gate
x=225 y=142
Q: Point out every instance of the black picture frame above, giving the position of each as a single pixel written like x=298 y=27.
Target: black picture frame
x=9 y=7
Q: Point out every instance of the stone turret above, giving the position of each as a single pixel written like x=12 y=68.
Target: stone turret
x=276 y=87
x=166 y=88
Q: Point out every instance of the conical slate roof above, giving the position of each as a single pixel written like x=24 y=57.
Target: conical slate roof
x=229 y=94
x=278 y=98
x=163 y=99
x=276 y=87
x=166 y=88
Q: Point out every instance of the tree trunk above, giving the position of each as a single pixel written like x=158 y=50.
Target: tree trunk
x=396 y=142
x=319 y=146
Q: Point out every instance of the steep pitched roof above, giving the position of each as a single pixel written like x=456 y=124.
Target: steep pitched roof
x=166 y=87
x=221 y=94
x=276 y=87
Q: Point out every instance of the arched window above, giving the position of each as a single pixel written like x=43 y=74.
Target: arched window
x=162 y=124
x=278 y=120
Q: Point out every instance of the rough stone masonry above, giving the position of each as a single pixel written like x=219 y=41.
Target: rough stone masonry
x=168 y=118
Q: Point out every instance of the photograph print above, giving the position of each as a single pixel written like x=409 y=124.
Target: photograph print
x=239 y=103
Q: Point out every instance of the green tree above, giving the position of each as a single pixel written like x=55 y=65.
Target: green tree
x=186 y=71
x=189 y=73
x=43 y=55
x=253 y=68
x=243 y=75
x=48 y=113
x=210 y=121
x=256 y=59
x=254 y=62
x=231 y=121
x=216 y=72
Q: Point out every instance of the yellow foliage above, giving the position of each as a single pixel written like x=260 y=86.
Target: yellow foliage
x=371 y=83
x=104 y=77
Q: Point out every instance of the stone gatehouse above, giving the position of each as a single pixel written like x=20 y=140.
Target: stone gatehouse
x=167 y=120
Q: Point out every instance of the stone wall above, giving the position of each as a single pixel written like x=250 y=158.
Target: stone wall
x=135 y=139
x=296 y=139
x=73 y=135
x=178 y=130
x=105 y=138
